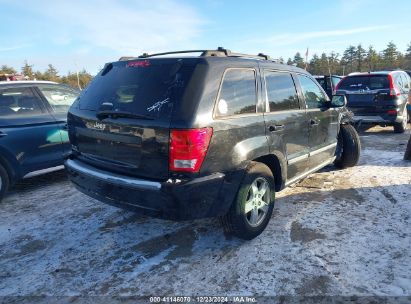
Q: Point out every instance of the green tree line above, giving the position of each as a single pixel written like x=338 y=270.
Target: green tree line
x=50 y=74
x=356 y=59
x=353 y=59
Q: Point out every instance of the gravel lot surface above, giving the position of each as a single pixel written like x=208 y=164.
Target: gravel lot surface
x=338 y=232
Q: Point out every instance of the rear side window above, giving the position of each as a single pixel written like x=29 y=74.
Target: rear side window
x=19 y=102
x=313 y=95
x=398 y=81
x=143 y=87
x=238 y=93
x=59 y=98
x=281 y=92
x=406 y=81
x=372 y=82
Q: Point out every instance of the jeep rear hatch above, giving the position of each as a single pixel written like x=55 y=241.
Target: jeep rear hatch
x=123 y=117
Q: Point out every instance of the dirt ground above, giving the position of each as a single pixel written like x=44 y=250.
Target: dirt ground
x=339 y=232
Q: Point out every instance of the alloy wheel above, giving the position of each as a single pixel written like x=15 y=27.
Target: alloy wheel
x=257 y=203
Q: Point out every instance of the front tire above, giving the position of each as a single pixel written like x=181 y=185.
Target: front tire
x=348 y=147
x=4 y=182
x=252 y=209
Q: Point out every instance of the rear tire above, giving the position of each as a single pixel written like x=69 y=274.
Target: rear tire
x=348 y=147
x=252 y=209
x=4 y=182
x=402 y=126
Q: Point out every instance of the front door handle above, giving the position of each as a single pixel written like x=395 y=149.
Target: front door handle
x=275 y=128
x=65 y=127
x=314 y=122
x=2 y=134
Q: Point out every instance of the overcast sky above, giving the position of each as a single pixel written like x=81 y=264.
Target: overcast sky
x=85 y=34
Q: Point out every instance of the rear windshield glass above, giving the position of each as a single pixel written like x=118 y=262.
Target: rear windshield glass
x=144 y=87
x=355 y=83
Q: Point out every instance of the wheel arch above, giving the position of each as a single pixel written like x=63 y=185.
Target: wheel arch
x=277 y=164
x=9 y=164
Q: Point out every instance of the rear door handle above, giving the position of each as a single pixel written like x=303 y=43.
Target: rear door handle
x=275 y=128
x=314 y=122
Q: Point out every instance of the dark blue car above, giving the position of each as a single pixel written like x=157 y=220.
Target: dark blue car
x=33 y=134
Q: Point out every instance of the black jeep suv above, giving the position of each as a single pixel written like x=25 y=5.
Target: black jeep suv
x=214 y=135
x=378 y=98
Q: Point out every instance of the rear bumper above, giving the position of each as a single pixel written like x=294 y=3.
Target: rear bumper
x=207 y=196
x=378 y=119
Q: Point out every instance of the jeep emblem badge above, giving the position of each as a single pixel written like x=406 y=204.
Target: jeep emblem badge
x=96 y=125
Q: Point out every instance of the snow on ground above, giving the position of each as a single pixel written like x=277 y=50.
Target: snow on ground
x=339 y=232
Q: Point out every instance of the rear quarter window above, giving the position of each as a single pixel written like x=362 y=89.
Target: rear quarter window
x=238 y=94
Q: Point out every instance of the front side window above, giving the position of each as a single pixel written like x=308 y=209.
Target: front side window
x=238 y=93
x=281 y=92
x=59 y=98
x=314 y=97
x=19 y=102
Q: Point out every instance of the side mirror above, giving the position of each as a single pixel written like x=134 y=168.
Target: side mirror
x=338 y=101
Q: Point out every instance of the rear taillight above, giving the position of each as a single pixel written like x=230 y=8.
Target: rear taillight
x=188 y=148
x=392 y=112
x=394 y=91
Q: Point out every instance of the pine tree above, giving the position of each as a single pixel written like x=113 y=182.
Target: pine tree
x=323 y=64
x=372 y=59
x=5 y=69
x=333 y=62
x=390 y=56
x=289 y=61
x=348 y=59
x=27 y=70
x=39 y=76
x=313 y=66
x=298 y=60
x=360 y=55
x=51 y=73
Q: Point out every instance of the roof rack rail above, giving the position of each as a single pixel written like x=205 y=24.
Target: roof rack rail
x=219 y=52
x=146 y=55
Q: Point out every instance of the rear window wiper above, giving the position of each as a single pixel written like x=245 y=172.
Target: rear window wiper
x=121 y=114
